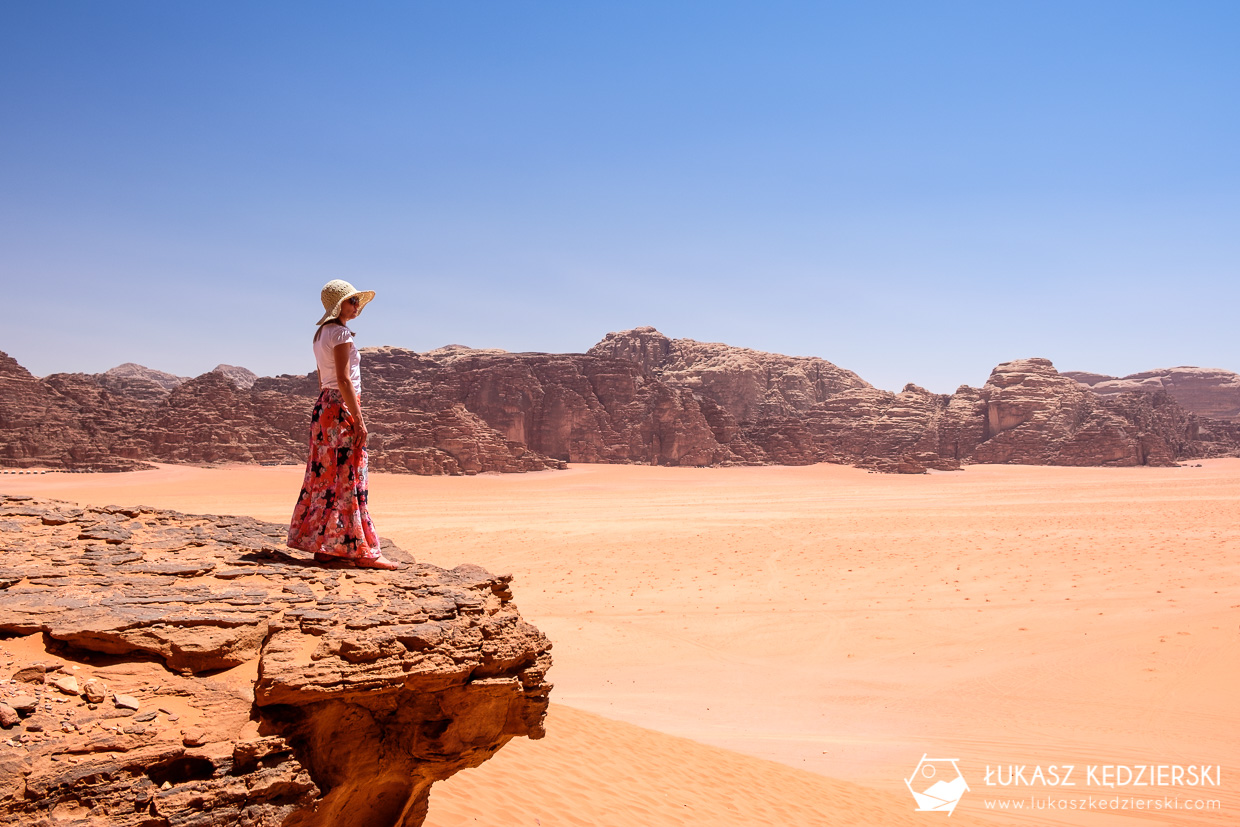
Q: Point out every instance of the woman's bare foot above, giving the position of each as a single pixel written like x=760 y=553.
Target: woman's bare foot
x=379 y=562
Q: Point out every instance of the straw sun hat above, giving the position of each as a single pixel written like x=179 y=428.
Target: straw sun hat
x=334 y=294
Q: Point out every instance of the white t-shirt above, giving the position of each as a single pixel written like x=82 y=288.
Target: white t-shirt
x=332 y=335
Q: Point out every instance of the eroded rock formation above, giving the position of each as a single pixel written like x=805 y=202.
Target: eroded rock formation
x=194 y=673
x=571 y=407
x=111 y=422
x=139 y=382
x=42 y=422
x=211 y=419
x=242 y=378
x=1036 y=416
x=793 y=411
x=636 y=397
x=748 y=384
x=1207 y=392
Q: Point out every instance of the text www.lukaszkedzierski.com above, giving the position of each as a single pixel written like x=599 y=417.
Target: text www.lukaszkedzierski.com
x=1101 y=803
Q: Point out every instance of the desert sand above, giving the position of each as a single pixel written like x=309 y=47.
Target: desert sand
x=814 y=631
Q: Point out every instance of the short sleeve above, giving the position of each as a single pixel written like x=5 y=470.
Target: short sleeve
x=336 y=334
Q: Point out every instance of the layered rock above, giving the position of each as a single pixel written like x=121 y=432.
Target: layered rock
x=637 y=397
x=42 y=423
x=1085 y=377
x=867 y=427
x=81 y=422
x=785 y=410
x=241 y=378
x=132 y=370
x=211 y=419
x=449 y=441
x=1026 y=413
x=1214 y=438
x=1208 y=392
x=1165 y=432
x=344 y=693
x=571 y=407
x=140 y=383
x=414 y=431
x=748 y=384
x=1036 y=416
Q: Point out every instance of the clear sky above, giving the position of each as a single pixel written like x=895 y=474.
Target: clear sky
x=913 y=190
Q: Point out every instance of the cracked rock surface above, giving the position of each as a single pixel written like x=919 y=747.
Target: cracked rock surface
x=159 y=668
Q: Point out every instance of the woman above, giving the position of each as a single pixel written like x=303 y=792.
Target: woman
x=331 y=518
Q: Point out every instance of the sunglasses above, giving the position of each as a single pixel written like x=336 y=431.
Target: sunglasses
x=354 y=300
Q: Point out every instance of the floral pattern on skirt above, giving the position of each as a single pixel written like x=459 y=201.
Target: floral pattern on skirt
x=331 y=516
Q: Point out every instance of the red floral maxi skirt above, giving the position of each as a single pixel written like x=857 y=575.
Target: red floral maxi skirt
x=331 y=516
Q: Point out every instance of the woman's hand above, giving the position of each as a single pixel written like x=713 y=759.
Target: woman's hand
x=360 y=434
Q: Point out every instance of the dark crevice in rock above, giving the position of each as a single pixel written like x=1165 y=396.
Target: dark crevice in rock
x=180 y=770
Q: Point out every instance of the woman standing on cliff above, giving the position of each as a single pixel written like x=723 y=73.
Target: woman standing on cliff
x=331 y=518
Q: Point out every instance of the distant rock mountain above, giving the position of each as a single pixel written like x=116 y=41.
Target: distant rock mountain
x=62 y=421
x=1211 y=392
x=1085 y=377
x=449 y=352
x=241 y=378
x=635 y=397
x=140 y=383
x=130 y=370
x=210 y=419
x=1036 y=415
x=571 y=407
x=797 y=410
x=77 y=422
x=150 y=385
x=747 y=383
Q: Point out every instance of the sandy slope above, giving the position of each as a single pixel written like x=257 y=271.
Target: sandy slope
x=830 y=619
x=596 y=772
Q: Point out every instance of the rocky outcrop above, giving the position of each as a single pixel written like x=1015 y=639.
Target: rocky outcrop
x=132 y=370
x=241 y=378
x=636 y=397
x=1085 y=377
x=1165 y=432
x=195 y=673
x=46 y=422
x=748 y=384
x=412 y=431
x=81 y=422
x=1208 y=392
x=139 y=383
x=795 y=411
x=769 y=408
x=304 y=385
x=867 y=427
x=449 y=441
x=211 y=419
x=450 y=352
x=571 y=407
x=792 y=411
x=1036 y=416
x=1214 y=438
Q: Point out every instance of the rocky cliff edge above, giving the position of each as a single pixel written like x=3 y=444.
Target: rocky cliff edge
x=188 y=671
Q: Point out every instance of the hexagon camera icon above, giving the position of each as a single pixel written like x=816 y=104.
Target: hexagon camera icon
x=936 y=784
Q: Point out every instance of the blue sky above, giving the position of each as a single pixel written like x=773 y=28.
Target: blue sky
x=913 y=190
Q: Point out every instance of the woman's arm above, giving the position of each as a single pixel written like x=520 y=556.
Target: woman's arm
x=340 y=355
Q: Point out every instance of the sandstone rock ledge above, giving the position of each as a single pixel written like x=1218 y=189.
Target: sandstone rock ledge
x=188 y=670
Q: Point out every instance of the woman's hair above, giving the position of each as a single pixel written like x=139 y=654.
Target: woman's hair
x=319 y=332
